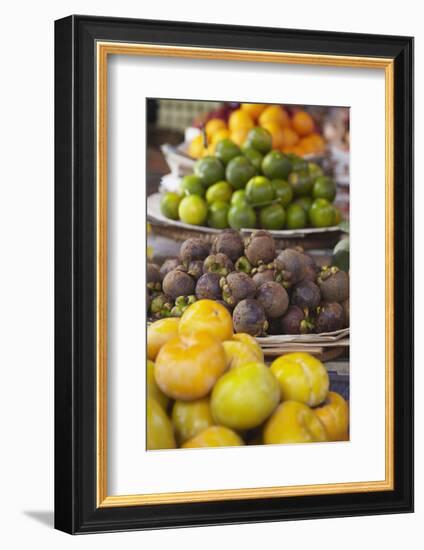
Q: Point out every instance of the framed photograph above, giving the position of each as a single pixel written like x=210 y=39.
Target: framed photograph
x=234 y=274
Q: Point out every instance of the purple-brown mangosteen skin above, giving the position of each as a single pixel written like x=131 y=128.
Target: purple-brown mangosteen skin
x=260 y=248
x=194 y=249
x=178 y=283
x=229 y=242
x=249 y=317
x=334 y=284
x=306 y=295
x=237 y=286
x=208 y=287
x=274 y=299
x=290 y=266
x=330 y=318
x=265 y=276
x=168 y=265
x=291 y=320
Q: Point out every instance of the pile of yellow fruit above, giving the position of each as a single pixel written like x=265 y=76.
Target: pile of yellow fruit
x=209 y=387
x=296 y=134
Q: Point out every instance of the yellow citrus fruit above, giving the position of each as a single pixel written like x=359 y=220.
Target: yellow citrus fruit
x=334 y=415
x=275 y=114
x=213 y=125
x=313 y=143
x=215 y=436
x=152 y=389
x=160 y=434
x=196 y=148
x=253 y=109
x=303 y=123
x=293 y=422
x=222 y=133
x=188 y=366
x=191 y=417
x=302 y=378
x=276 y=131
x=251 y=342
x=237 y=354
x=239 y=136
x=240 y=119
x=289 y=137
x=158 y=333
x=207 y=316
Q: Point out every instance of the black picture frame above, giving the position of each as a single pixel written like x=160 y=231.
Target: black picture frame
x=75 y=275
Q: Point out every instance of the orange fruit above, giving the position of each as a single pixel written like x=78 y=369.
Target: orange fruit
x=289 y=137
x=188 y=366
x=239 y=136
x=222 y=133
x=303 y=123
x=293 y=422
x=276 y=131
x=214 y=436
x=276 y=114
x=196 y=148
x=207 y=316
x=253 y=109
x=251 y=342
x=240 y=119
x=313 y=143
x=158 y=333
x=213 y=125
x=334 y=414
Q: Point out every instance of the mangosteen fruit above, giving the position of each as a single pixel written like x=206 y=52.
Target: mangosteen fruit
x=237 y=286
x=334 y=284
x=161 y=305
x=311 y=269
x=229 y=242
x=260 y=248
x=294 y=321
x=153 y=277
x=181 y=304
x=330 y=317
x=178 y=283
x=290 y=267
x=243 y=264
x=218 y=263
x=168 y=265
x=208 y=287
x=306 y=295
x=195 y=268
x=249 y=317
x=274 y=299
x=346 y=311
x=194 y=249
x=263 y=276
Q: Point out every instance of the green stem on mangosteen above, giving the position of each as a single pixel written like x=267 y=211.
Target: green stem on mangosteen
x=243 y=265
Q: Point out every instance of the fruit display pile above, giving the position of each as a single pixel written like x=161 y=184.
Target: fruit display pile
x=263 y=290
x=209 y=387
x=253 y=186
x=292 y=132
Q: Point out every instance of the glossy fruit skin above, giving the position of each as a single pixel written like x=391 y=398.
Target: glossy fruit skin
x=214 y=436
x=251 y=342
x=218 y=215
x=238 y=197
x=240 y=119
x=169 y=205
x=315 y=170
x=160 y=434
x=192 y=185
x=190 y=418
x=254 y=156
x=207 y=316
x=245 y=396
x=259 y=139
x=296 y=217
x=193 y=210
x=209 y=169
x=305 y=203
x=272 y=217
x=241 y=216
x=302 y=378
x=214 y=125
x=293 y=422
x=219 y=191
x=322 y=213
x=334 y=415
x=158 y=333
x=226 y=150
x=239 y=171
x=282 y=191
x=324 y=188
x=259 y=191
x=303 y=123
x=152 y=388
x=253 y=109
x=238 y=354
x=301 y=183
x=187 y=367
x=276 y=114
x=276 y=165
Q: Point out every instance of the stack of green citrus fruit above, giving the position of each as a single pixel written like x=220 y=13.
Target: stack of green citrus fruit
x=253 y=186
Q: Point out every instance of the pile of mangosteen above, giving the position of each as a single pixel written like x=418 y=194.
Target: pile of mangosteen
x=267 y=291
